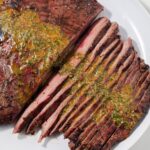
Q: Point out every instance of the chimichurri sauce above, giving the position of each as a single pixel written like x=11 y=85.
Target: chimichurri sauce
x=35 y=46
x=117 y=103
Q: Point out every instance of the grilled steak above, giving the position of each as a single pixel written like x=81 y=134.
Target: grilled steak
x=108 y=95
x=110 y=36
x=35 y=35
x=81 y=52
x=114 y=125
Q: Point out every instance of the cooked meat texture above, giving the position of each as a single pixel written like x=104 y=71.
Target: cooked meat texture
x=109 y=133
x=93 y=120
x=103 y=55
x=71 y=15
x=68 y=18
x=99 y=95
x=112 y=33
x=96 y=32
x=54 y=100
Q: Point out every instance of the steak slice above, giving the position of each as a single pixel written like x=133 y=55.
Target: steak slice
x=126 y=47
x=126 y=64
x=36 y=35
x=122 y=133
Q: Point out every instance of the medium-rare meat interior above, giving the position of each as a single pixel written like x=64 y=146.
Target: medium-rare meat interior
x=36 y=35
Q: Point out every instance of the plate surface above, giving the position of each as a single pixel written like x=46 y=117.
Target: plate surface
x=134 y=21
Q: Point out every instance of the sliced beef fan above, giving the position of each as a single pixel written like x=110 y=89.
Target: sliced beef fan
x=89 y=70
x=99 y=98
x=36 y=34
x=97 y=31
x=50 y=105
x=105 y=137
x=101 y=113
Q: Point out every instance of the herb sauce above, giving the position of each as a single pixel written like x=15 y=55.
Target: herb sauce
x=35 y=46
x=118 y=103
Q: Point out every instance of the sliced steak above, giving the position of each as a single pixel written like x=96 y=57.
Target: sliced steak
x=125 y=77
x=100 y=99
x=99 y=137
x=102 y=56
x=98 y=28
x=124 y=66
x=39 y=37
x=142 y=94
x=75 y=105
x=111 y=34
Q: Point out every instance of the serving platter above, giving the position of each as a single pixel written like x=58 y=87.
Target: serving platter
x=134 y=21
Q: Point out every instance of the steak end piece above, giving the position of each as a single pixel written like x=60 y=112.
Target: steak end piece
x=20 y=77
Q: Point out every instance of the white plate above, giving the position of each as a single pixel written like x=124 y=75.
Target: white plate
x=134 y=21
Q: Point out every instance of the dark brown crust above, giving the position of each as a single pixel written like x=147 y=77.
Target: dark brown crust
x=122 y=56
x=127 y=73
x=102 y=136
x=110 y=35
x=124 y=67
x=144 y=104
x=142 y=89
x=86 y=137
x=120 y=134
x=8 y=110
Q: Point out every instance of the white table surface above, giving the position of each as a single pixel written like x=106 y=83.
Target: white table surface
x=144 y=142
